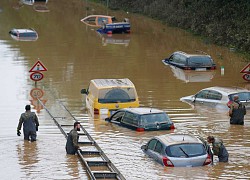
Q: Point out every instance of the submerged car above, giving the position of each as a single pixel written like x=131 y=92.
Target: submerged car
x=197 y=62
x=142 y=119
x=24 y=34
x=107 y=24
x=216 y=96
x=98 y=20
x=178 y=150
x=115 y=28
x=103 y=96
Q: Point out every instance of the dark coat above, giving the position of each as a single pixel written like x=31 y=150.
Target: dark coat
x=237 y=112
x=72 y=142
x=29 y=121
x=220 y=150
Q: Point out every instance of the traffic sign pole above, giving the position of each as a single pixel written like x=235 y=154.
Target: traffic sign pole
x=36 y=70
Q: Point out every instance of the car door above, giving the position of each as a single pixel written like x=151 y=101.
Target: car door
x=155 y=150
x=158 y=152
x=116 y=118
x=208 y=97
x=150 y=148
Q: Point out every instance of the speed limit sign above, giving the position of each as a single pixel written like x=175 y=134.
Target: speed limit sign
x=36 y=76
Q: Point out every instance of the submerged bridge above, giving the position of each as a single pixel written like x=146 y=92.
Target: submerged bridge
x=97 y=164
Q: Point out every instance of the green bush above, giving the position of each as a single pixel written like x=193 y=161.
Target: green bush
x=224 y=22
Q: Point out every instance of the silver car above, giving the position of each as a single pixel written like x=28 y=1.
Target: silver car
x=178 y=150
x=218 y=96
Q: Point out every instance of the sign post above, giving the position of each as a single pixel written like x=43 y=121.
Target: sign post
x=36 y=70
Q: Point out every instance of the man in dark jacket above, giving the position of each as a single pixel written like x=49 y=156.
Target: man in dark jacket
x=218 y=148
x=237 y=111
x=30 y=124
x=72 y=140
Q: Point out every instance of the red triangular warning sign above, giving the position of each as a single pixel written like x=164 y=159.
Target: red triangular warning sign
x=38 y=66
x=246 y=69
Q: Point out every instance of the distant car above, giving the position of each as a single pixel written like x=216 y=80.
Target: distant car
x=197 y=62
x=98 y=20
x=219 y=96
x=24 y=34
x=142 y=119
x=178 y=150
x=32 y=2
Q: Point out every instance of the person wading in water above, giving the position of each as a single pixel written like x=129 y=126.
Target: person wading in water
x=237 y=111
x=30 y=124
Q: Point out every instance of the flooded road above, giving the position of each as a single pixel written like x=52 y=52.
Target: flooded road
x=74 y=54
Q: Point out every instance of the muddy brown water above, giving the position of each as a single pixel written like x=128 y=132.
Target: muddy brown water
x=74 y=54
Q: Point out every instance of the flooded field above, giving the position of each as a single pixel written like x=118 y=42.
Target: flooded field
x=74 y=54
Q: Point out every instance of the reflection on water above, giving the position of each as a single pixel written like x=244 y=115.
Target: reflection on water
x=28 y=157
x=116 y=39
x=74 y=55
x=192 y=76
x=37 y=93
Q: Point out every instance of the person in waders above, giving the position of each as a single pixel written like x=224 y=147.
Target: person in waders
x=30 y=124
x=237 y=111
x=72 y=140
x=218 y=148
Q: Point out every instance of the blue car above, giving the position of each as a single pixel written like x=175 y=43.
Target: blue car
x=115 y=28
x=178 y=150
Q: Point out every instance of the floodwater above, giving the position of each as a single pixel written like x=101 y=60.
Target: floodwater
x=74 y=54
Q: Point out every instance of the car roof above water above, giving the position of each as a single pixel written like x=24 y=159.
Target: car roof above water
x=104 y=83
x=191 y=55
x=171 y=139
x=144 y=110
x=227 y=90
x=24 y=30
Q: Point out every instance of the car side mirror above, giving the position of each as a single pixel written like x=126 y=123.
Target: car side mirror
x=107 y=119
x=144 y=147
x=84 y=91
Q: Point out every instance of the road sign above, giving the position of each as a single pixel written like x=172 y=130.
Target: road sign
x=246 y=77
x=36 y=76
x=37 y=67
x=36 y=93
x=246 y=69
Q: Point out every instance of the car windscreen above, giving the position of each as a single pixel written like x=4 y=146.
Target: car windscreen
x=154 y=118
x=116 y=95
x=199 y=61
x=185 y=150
x=243 y=96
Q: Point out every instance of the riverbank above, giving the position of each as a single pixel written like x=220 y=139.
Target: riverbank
x=225 y=23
